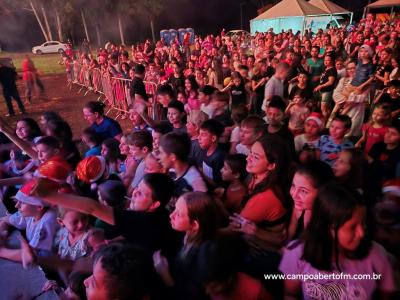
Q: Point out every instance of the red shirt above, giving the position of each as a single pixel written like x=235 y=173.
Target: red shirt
x=373 y=135
x=264 y=206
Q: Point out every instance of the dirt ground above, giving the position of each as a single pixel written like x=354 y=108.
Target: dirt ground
x=61 y=99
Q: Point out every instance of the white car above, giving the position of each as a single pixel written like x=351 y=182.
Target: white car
x=49 y=47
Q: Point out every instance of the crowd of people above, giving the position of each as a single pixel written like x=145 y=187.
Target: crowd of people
x=277 y=154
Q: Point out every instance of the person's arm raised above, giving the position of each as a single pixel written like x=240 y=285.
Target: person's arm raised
x=82 y=204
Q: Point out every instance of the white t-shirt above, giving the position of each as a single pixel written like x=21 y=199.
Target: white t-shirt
x=139 y=174
x=242 y=149
x=40 y=233
x=235 y=135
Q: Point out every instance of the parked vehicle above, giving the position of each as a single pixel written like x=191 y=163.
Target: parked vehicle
x=50 y=47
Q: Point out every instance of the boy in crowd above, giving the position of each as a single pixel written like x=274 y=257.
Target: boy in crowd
x=158 y=131
x=275 y=85
x=174 y=153
x=137 y=121
x=205 y=94
x=138 y=89
x=194 y=121
x=275 y=116
x=315 y=66
x=165 y=94
x=140 y=145
x=251 y=129
x=213 y=156
x=330 y=145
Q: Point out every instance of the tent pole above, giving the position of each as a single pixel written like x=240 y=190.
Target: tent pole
x=351 y=18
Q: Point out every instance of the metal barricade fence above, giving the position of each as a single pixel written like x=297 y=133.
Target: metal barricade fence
x=116 y=91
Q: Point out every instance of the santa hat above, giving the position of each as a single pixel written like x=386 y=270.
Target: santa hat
x=317 y=118
x=91 y=169
x=24 y=195
x=392 y=186
x=56 y=169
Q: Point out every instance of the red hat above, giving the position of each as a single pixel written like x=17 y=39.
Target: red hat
x=91 y=169
x=317 y=118
x=55 y=169
x=24 y=195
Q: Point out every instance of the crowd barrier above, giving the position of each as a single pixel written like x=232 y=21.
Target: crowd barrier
x=113 y=91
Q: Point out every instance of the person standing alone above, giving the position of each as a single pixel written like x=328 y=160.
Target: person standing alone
x=8 y=78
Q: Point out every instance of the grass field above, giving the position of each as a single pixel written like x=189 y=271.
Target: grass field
x=46 y=64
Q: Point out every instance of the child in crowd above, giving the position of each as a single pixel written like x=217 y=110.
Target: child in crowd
x=71 y=240
x=326 y=247
x=159 y=130
x=237 y=90
x=364 y=72
x=36 y=217
x=298 y=111
x=153 y=165
x=330 y=145
x=239 y=113
x=274 y=86
x=312 y=127
x=350 y=169
x=92 y=140
x=251 y=129
x=213 y=159
x=234 y=174
x=275 y=115
x=140 y=145
x=194 y=121
x=205 y=95
x=137 y=121
x=111 y=153
x=176 y=114
x=191 y=88
x=374 y=131
x=129 y=165
x=174 y=152
x=198 y=216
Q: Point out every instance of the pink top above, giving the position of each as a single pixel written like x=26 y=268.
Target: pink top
x=377 y=262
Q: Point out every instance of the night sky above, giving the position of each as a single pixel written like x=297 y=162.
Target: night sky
x=21 y=31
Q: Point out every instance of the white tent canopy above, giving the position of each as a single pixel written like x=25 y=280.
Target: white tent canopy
x=297 y=15
x=384 y=3
x=329 y=6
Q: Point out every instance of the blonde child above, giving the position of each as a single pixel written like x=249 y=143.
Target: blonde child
x=374 y=131
x=129 y=165
x=71 y=239
x=298 y=112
